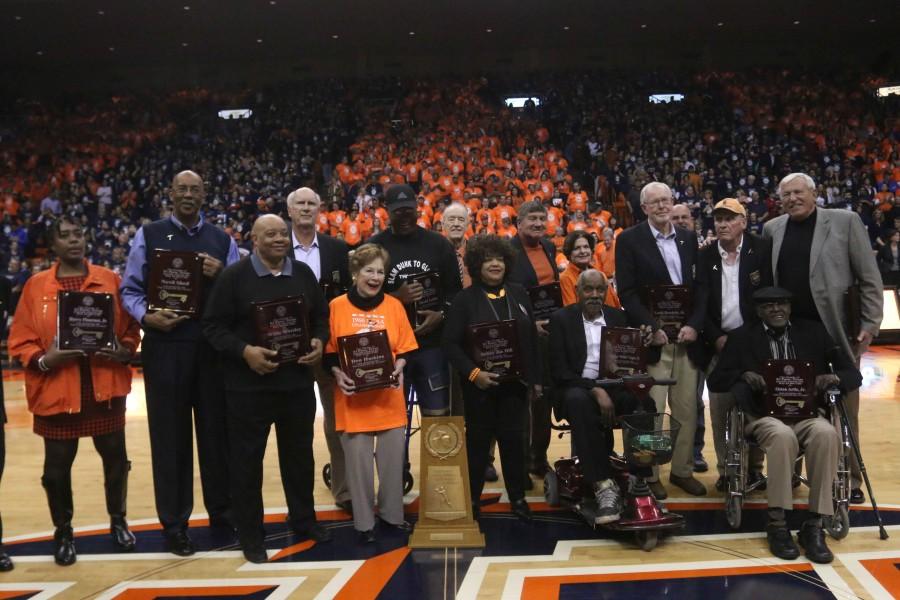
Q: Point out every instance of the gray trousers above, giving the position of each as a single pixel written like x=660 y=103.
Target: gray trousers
x=389 y=447
x=719 y=405
x=782 y=442
x=325 y=383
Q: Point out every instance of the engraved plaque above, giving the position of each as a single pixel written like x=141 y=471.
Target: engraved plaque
x=432 y=295
x=670 y=306
x=366 y=358
x=175 y=282
x=85 y=321
x=621 y=352
x=790 y=389
x=283 y=325
x=494 y=347
x=447 y=500
x=545 y=300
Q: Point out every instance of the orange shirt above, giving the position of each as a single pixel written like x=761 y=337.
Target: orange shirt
x=605 y=259
x=352 y=231
x=577 y=201
x=542 y=266
x=375 y=410
x=568 y=280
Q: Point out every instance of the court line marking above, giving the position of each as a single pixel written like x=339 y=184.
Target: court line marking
x=48 y=589
x=853 y=562
x=284 y=586
x=345 y=570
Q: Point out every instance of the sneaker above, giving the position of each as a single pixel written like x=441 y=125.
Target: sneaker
x=609 y=502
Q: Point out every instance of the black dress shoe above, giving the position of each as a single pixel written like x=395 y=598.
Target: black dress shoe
x=700 y=465
x=490 y=473
x=346 y=506
x=64 y=547
x=812 y=538
x=367 y=537
x=520 y=509
x=403 y=526
x=539 y=468
x=316 y=533
x=857 y=496
x=6 y=563
x=755 y=476
x=180 y=544
x=121 y=535
x=781 y=543
x=255 y=554
x=720 y=483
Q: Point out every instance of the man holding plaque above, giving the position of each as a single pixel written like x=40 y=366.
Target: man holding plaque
x=819 y=254
x=420 y=257
x=731 y=270
x=655 y=264
x=261 y=391
x=535 y=266
x=327 y=257
x=578 y=359
x=182 y=375
x=776 y=336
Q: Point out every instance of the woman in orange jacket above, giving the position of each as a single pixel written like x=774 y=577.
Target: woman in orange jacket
x=73 y=394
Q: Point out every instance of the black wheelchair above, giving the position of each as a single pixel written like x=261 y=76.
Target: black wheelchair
x=737 y=450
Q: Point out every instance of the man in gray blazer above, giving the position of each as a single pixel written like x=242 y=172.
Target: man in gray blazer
x=817 y=254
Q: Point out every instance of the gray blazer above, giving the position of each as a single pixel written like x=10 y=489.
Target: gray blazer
x=841 y=255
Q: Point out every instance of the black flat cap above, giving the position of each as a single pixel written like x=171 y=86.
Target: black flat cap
x=770 y=294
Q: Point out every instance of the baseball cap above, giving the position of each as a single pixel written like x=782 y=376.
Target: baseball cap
x=400 y=196
x=731 y=205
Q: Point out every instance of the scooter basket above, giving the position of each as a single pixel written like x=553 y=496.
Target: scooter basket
x=649 y=438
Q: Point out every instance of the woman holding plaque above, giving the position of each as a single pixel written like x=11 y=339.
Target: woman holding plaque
x=579 y=250
x=496 y=399
x=73 y=393
x=375 y=419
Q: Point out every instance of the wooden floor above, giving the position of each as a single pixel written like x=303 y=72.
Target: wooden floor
x=565 y=560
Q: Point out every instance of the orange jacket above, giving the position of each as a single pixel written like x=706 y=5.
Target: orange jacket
x=32 y=332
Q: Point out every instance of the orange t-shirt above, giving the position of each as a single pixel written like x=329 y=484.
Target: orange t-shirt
x=542 y=266
x=374 y=410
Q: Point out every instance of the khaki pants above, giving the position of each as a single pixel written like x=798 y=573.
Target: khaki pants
x=682 y=398
x=325 y=383
x=782 y=442
x=719 y=405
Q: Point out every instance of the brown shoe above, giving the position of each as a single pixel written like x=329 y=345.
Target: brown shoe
x=658 y=489
x=688 y=484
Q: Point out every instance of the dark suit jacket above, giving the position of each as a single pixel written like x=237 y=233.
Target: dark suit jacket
x=568 y=345
x=754 y=273
x=522 y=271
x=747 y=349
x=333 y=258
x=639 y=263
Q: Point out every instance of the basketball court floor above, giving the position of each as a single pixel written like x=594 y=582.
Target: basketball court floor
x=556 y=556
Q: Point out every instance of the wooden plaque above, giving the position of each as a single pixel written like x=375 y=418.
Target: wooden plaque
x=283 y=325
x=790 y=389
x=432 y=295
x=85 y=321
x=545 y=300
x=445 y=499
x=670 y=306
x=175 y=282
x=366 y=358
x=621 y=352
x=494 y=347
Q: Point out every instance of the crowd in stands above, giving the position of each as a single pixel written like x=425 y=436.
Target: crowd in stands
x=585 y=151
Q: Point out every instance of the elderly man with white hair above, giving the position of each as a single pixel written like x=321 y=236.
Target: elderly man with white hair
x=818 y=254
x=656 y=253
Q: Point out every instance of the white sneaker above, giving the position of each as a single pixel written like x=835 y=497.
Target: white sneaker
x=609 y=502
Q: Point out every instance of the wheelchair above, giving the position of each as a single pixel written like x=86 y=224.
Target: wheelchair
x=737 y=450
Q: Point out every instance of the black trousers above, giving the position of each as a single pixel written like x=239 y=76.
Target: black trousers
x=250 y=417
x=2 y=464
x=501 y=414
x=592 y=440
x=539 y=441
x=57 y=477
x=183 y=383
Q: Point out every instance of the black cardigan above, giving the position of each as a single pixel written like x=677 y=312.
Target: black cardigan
x=470 y=307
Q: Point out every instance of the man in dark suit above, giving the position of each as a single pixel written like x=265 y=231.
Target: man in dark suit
x=656 y=253
x=575 y=357
x=777 y=336
x=327 y=257
x=730 y=270
x=536 y=265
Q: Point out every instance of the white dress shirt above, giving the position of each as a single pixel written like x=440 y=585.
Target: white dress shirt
x=309 y=256
x=668 y=248
x=731 y=293
x=592 y=332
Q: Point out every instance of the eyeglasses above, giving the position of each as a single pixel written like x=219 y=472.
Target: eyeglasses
x=658 y=202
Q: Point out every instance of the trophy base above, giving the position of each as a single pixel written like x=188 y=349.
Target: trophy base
x=467 y=536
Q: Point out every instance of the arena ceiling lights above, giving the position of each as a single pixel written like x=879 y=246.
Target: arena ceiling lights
x=665 y=98
x=236 y=113
x=888 y=90
x=519 y=101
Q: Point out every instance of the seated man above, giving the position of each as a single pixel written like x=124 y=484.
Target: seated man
x=590 y=410
x=778 y=337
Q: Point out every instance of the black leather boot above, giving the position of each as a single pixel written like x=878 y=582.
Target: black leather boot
x=116 y=486
x=59 y=498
